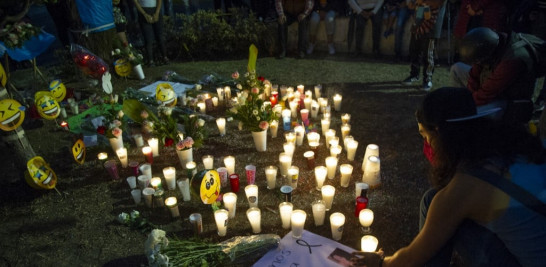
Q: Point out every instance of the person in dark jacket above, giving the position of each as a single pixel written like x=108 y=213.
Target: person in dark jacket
x=290 y=11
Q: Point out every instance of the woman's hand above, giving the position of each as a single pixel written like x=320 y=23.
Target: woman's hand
x=156 y=17
x=149 y=18
x=368 y=259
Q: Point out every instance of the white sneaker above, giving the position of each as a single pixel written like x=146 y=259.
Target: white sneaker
x=331 y=49
x=310 y=49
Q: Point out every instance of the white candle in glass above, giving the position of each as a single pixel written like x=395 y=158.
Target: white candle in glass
x=358 y=188
x=139 y=141
x=318 y=89
x=345 y=118
x=371 y=150
x=273 y=128
x=319 y=212
x=285 y=162
x=372 y=173
x=172 y=204
x=298 y=221
x=346 y=171
x=300 y=133
x=323 y=102
x=331 y=165
x=294 y=108
x=365 y=217
x=308 y=94
x=229 y=162
x=325 y=125
x=143 y=181
x=154 y=144
x=215 y=101
x=230 y=203
x=251 y=192
x=148 y=194
x=137 y=195
x=346 y=140
x=170 y=177
x=254 y=217
x=220 y=92
x=334 y=141
x=300 y=88
x=352 y=145
x=227 y=92
x=208 y=162
x=335 y=150
x=289 y=148
x=290 y=137
x=337 y=102
x=328 y=193
x=293 y=176
x=320 y=176
x=271 y=176
x=285 y=209
x=314 y=109
x=313 y=137
x=337 y=220
x=307 y=103
x=191 y=168
x=122 y=155
x=102 y=156
x=202 y=107
x=221 y=123
x=146 y=169
x=331 y=133
x=184 y=187
x=368 y=243
x=221 y=218
x=345 y=130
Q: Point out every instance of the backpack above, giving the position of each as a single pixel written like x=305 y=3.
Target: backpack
x=535 y=47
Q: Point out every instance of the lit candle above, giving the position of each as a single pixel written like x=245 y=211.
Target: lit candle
x=143 y=181
x=331 y=164
x=147 y=151
x=171 y=203
x=220 y=92
x=368 y=243
x=221 y=218
x=191 y=168
x=347 y=140
x=184 y=187
x=202 y=107
x=285 y=161
x=156 y=183
x=328 y=193
x=358 y=188
x=221 y=123
x=372 y=175
x=208 y=162
x=271 y=176
x=345 y=130
x=146 y=169
x=148 y=193
x=286 y=120
x=290 y=137
x=325 y=124
x=319 y=212
x=365 y=217
x=300 y=88
x=229 y=162
x=158 y=198
x=318 y=89
x=331 y=133
x=215 y=101
x=307 y=103
x=310 y=157
x=122 y=155
x=294 y=108
x=337 y=220
x=230 y=203
x=337 y=102
x=154 y=144
x=139 y=141
x=251 y=192
x=345 y=118
x=63 y=113
x=285 y=209
x=334 y=141
x=314 y=109
x=227 y=92
x=274 y=97
x=351 y=149
x=300 y=133
x=293 y=175
x=170 y=177
x=313 y=137
x=371 y=150
x=298 y=221
x=335 y=150
x=346 y=171
x=102 y=156
x=314 y=146
x=255 y=219
x=273 y=127
x=289 y=148
x=320 y=176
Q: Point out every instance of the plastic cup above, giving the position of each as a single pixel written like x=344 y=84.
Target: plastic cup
x=137 y=195
x=133 y=165
x=250 y=174
x=196 y=221
x=143 y=181
x=131 y=180
x=223 y=173
x=234 y=182
x=112 y=168
x=148 y=194
x=146 y=169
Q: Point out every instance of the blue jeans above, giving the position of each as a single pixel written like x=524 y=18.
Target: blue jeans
x=476 y=245
x=376 y=30
x=401 y=19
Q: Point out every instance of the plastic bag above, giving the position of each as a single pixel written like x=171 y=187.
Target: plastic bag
x=89 y=63
x=245 y=250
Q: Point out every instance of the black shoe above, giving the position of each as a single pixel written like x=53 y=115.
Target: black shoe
x=427 y=85
x=410 y=80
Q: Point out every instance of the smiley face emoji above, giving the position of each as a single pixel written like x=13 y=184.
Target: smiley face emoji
x=41 y=175
x=12 y=114
x=164 y=93
x=208 y=184
x=57 y=90
x=47 y=107
x=79 y=151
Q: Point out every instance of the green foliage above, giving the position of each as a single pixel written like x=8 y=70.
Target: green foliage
x=194 y=129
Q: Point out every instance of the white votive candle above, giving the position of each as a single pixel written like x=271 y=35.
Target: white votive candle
x=328 y=192
x=170 y=177
x=285 y=209
x=328 y=136
x=335 y=150
x=346 y=171
x=251 y=192
x=372 y=172
x=255 y=219
x=313 y=137
x=208 y=162
x=365 y=217
x=221 y=218
x=184 y=187
x=298 y=221
x=300 y=133
x=289 y=148
x=371 y=150
x=171 y=203
x=154 y=144
x=202 y=107
x=139 y=141
x=191 y=168
x=285 y=162
x=314 y=109
x=229 y=162
x=331 y=164
x=337 y=102
x=273 y=128
x=319 y=212
x=345 y=130
x=271 y=176
x=352 y=145
x=155 y=182
x=345 y=118
x=320 y=175
x=307 y=103
x=368 y=243
x=294 y=108
x=221 y=123
x=325 y=125
x=230 y=203
x=122 y=155
x=227 y=92
x=293 y=176
x=215 y=101
x=337 y=220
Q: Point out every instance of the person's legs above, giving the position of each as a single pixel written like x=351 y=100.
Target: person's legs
x=415 y=57
x=459 y=74
x=159 y=38
x=330 y=25
x=428 y=66
x=403 y=15
x=147 y=32
x=303 y=35
x=359 y=33
x=313 y=28
x=376 y=31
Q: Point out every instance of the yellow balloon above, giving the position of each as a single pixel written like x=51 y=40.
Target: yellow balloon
x=3 y=76
x=57 y=90
x=12 y=114
x=46 y=105
x=207 y=184
x=41 y=175
x=123 y=67
x=79 y=151
x=165 y=94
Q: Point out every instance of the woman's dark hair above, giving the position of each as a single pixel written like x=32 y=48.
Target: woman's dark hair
x=468 y=143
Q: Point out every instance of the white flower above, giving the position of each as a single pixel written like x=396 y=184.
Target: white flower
x=198 y=87
x=239 y=86
x=120 y=114
x=168 y=111
x=117 y=51
x=135 y=214
x=255 y=112
x=123 y=217
x=201 y=122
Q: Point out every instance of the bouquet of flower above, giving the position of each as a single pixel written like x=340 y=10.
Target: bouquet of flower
x=195 y=132
x=112 y=122
x=128 y=53
x=15 y=35
x=249 y=107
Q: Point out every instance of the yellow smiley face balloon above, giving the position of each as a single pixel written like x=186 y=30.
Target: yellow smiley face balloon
x=3 y=76
x=165 y=94
x=57 y=90
x=123 y=67
x=46 y=105
x=207 y=184
x=79 y=151
x=40 y=174
x=12 y=114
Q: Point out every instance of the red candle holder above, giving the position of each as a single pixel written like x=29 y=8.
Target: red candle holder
x=234 y=182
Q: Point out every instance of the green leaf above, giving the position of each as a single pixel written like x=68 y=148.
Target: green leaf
x=132 y=109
